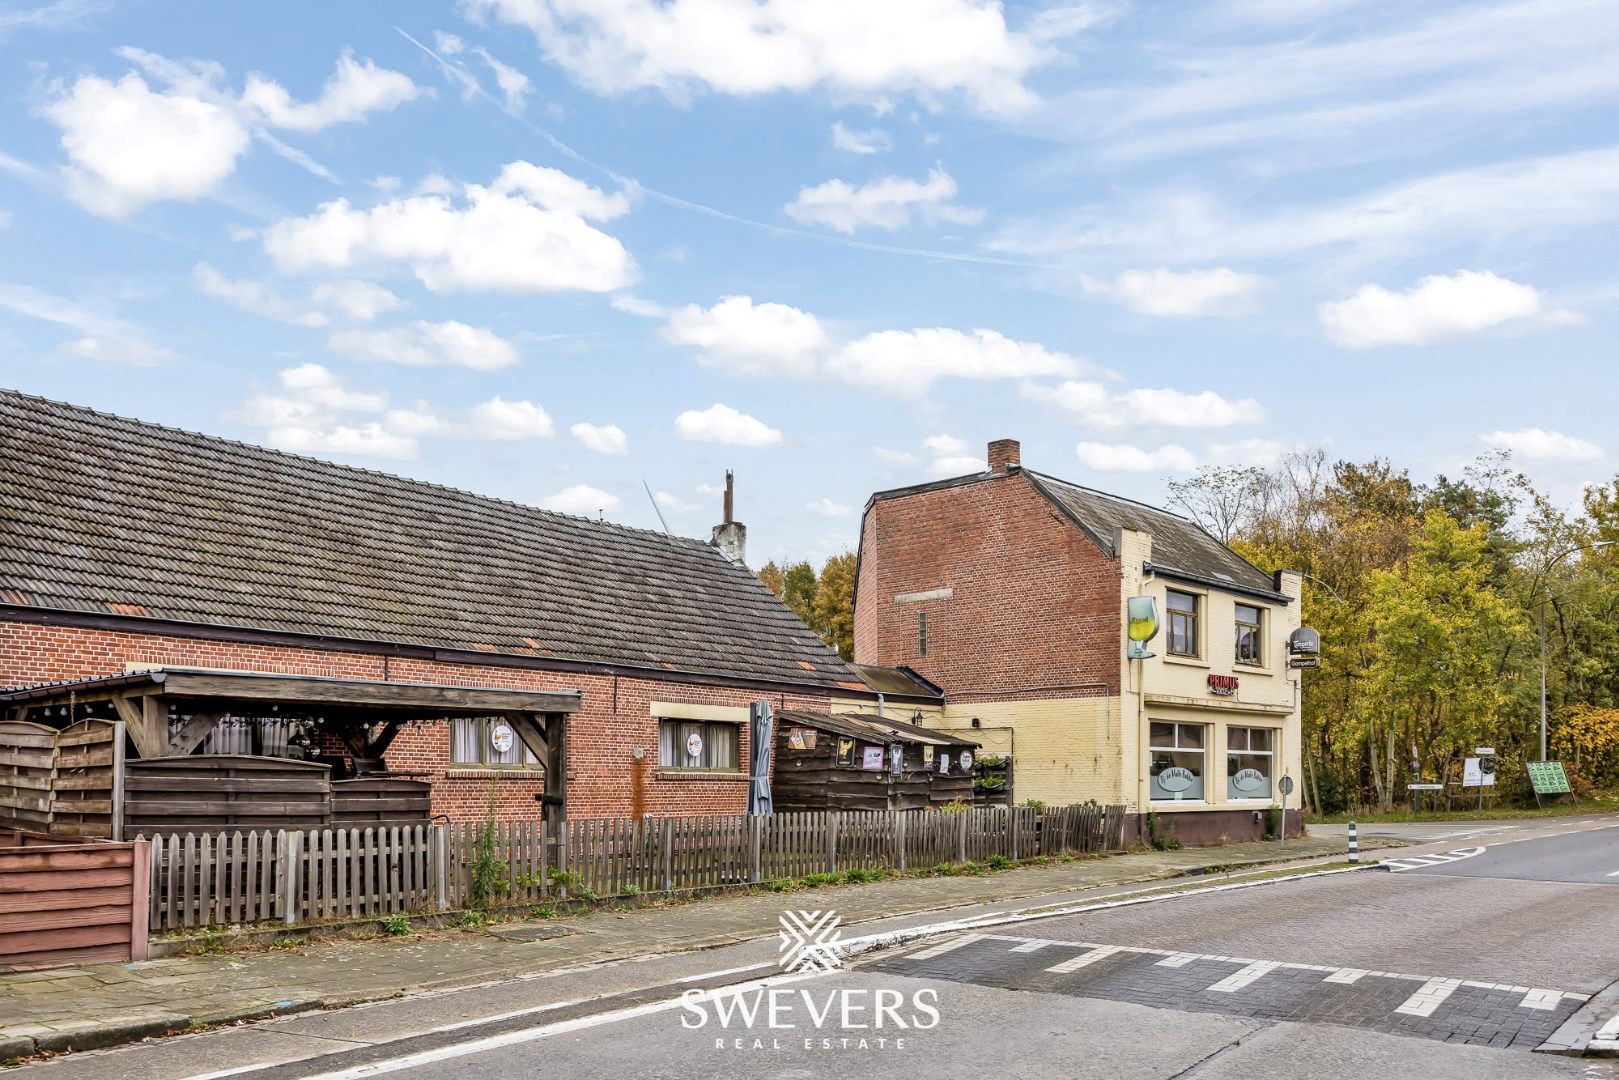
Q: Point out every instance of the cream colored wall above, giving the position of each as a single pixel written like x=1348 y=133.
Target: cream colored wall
x=1171 y=688
x=1064 y=750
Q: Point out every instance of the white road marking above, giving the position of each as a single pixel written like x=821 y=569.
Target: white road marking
x=1085 y=959
x=726 y=971
x=1546 y=1000
x=1346 y=976
x=1032 y=946
x=1430 y=997
x=1613 y=873
x=1239 y=979
x=1180 y=959
x=947 y=946
x=1415 y=862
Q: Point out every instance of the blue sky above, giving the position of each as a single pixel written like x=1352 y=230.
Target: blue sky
x=553 y=249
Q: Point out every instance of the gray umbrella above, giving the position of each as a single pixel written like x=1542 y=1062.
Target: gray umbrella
x=761 y=723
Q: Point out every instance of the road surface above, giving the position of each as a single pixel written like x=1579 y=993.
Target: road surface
x=1458 y=963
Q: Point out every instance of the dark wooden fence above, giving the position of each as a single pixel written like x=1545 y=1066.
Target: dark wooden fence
x=295 y=876
x=64 y=782
x=71 y=901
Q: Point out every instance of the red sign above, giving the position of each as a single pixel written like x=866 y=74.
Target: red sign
x=1223 y=685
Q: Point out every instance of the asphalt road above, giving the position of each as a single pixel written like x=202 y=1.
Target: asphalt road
x=1453 y=967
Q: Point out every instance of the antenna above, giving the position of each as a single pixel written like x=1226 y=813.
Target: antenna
x=656 y=509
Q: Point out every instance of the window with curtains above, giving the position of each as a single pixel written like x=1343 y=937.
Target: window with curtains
x=1250 y=631
x=1182 y=623
x=472 y=743
x=699 y=745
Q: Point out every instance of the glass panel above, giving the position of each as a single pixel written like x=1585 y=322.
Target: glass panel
x=721 y=746
x=668 y=734
x=1248 y=776
x=1162 y=734
x=1191 y=735
x=1179 y=601
x=1236 y=738
x=1247 y=613
x=1259 y=738
x=1177 y=774
x=493 y=756
x=691 y=739
x=464 y=740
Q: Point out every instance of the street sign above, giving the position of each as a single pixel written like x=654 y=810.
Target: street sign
x=1425 y=787
x=1304 y=661
x=1474 y=774
x=1285 y=785
x=1548 y=778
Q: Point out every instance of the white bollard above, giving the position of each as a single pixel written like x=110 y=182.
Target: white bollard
x=1354 y=843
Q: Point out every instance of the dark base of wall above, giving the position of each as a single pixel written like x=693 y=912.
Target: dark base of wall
x=1202 y=828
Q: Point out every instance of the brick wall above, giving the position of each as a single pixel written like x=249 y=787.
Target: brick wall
x=1034 y=605
x=603 y=775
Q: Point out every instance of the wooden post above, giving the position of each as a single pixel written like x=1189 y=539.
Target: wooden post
x=834 y=820
x=440 y=855
x=118 y=780
x=666 y=852
x=140 y=898
x=755 y=843
x=899 y=835
x=289 y=850
x=961 y=835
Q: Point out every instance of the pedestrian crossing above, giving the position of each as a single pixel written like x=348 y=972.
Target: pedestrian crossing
x=1417 y=862
x=1440 y=1007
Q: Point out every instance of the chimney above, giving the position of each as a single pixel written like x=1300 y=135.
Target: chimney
x=1004 y=455
x=730 y=535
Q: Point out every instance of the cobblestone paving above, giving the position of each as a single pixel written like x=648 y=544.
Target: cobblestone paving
x=1451 y=1010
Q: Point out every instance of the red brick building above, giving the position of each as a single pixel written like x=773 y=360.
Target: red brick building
x=1007 y=589
x=126 y=546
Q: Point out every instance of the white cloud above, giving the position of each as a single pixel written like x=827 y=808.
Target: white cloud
x=873 y=141
x=582 y=500
x=313 y=413
x=930 y=48
x=429 y=343
x=254 y=297
x=104 y=338
x=638 y=306
x=129 y=145
x=1537 y=444
x=361 y=301
x=1094 y=404
x=1122 y=457
x=1437 y=308
x=1262 y=452
x=888 y=202
x=528 y=231
x=354 y=89
x=670 y=501
x=498 y=418
x=740 y=336
x=944 y=444
x=893 y=457
x=908 y=361
x=723 y=424
x=513 y=84
x=827 y=508
x=1178 y=294
x=602 y=438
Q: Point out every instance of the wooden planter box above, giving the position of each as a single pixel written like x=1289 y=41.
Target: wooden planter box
x=65 y=900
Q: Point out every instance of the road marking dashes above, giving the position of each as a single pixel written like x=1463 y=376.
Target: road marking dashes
x=1085 y=959
x=945 y=946
x=1032 y=946
x=1180 y=959
x=1346 y=976
x=1432 y=995
x=1542 y=999
x=1416 y=862
x=1237 y=980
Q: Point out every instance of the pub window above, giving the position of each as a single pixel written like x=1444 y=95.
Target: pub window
x=474 y=739
x=921 y=633
x=1178 y=758
x=699 y=745
x=1182 y=623
x=1250 y=641
x=1249 y=753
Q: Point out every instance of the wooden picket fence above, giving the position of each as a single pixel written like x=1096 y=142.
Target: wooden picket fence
x=296 y=876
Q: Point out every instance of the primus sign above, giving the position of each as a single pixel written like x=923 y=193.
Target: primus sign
x=805 y=1018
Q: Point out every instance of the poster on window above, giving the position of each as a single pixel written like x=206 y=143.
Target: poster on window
x=799 y=738
x=845 y=751
x=872 y=758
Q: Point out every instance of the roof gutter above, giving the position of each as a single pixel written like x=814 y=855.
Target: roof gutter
x=1215 y=583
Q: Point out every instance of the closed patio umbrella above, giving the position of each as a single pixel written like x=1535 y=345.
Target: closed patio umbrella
x=761 y=724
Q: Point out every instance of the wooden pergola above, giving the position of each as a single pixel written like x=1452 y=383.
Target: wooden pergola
x=167 y=712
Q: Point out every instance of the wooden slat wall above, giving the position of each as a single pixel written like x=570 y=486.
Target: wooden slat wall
x=217 y=792
x=27 y=766
x=372 y=800
x=58 y=781
x=69 y=902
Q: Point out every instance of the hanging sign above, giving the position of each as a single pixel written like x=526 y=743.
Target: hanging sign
x=896 y=758
x=799 y=738
x=1223 y=685
x=502 y=738
x=845 y=751
x=966 y=760
x=694 y=745
x=927 y=757
x=871 y=758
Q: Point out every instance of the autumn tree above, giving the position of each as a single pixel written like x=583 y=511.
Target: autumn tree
x=834 y=604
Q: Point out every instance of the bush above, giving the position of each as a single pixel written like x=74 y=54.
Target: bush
x=631 y=890
x=397 y=925
x=999 y=862
x=860 y=875
x=542 y=911
x=776 y=885
x=955 y=806
x=815 y=881
x=1158 y=837
x=946 y=869
x=471 y=920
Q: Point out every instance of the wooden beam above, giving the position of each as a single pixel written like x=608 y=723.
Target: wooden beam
x=556 y=769
x=148 y=725
x=190 y=733
x=378 y=744
x=531 y=729
x=303 y=689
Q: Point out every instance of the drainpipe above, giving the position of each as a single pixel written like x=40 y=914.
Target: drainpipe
x=879 y=703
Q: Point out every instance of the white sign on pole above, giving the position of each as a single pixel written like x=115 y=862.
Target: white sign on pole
x=1473 y=774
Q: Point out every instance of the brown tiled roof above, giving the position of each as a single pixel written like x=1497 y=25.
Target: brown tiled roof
x=102 y=514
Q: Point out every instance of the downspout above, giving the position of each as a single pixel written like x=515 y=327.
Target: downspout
x=879 y=703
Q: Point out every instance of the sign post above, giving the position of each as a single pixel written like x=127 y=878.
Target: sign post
x=1285 y=786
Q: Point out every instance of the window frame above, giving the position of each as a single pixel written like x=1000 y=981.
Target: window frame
x=921 y=633
x=1194 y=618
x=1270 y=755
x=1174 y=749
x=733 y=727
x=526 y=761
x=1258 y=628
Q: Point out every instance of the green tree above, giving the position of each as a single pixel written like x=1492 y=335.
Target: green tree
x=834 y=604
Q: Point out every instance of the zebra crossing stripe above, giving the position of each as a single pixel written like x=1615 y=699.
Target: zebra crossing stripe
x=1239 y=979
x=1032 y=946
x=1346 y=976
x=1180 y=959
x=1433 y=994
x=1415 y=862
x=1084 y=959
x=948 y=946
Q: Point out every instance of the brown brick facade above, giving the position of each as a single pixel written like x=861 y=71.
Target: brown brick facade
x=604 y=778
x=1032 y=609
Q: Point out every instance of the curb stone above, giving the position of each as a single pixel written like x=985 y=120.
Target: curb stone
x=110 y=1033
x=1576 y=1037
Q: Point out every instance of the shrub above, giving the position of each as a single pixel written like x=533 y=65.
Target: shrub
x=542 y=911
x=955 y=806
x=947 y=869
x=815 y=881
x=1160 y=839
x=860 y=875
x=587 y=895
x=397 y=925
x=999 y=862
x=632 y=890
x=776 y=885
x=470 y=920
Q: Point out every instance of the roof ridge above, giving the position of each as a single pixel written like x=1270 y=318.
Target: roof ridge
x=1124 y=499
x=360 y=469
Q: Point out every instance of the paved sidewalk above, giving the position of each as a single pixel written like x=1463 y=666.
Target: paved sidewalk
x=106 y=1004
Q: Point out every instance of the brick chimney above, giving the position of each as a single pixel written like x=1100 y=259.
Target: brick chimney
x=1004 y=455
x=730 y=535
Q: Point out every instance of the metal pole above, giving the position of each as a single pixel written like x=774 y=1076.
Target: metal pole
x=1354 y=843
x=1543 y=678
